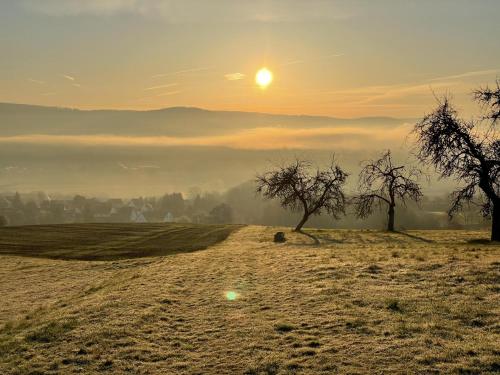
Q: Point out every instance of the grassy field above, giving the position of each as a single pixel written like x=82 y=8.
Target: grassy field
x=362 y=302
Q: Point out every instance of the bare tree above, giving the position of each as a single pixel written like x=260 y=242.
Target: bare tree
x=300 y=188
x=466 y=150
x=383 y=183
x=490 y=100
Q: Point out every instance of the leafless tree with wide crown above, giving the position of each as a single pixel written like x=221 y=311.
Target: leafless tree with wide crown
x=468 y=150
x=383 y=183
x=300 y=187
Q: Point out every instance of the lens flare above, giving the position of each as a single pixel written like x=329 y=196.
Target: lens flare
x=231 y=295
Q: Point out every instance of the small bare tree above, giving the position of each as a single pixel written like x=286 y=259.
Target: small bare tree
x=468 y=151
x=300 y=188
x=382 y=183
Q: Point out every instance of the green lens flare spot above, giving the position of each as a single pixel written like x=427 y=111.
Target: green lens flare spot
x=231 y=296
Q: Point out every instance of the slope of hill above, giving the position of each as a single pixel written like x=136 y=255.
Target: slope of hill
x=363 y=302
x=22 y=119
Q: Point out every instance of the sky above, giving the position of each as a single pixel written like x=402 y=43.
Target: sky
x=336 y=58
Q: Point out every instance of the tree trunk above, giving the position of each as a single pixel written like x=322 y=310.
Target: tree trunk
x=302 y=222
x=495 y=221
x=390 y=223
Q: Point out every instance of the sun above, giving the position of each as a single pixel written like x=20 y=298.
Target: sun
x=263 y=78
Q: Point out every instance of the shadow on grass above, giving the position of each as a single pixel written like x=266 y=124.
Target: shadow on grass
x=415 y=237
x=330 y=240
x=318 y=240
x=314 y=238
x=482 y=241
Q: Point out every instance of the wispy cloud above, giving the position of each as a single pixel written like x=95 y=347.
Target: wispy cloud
x=476 y=73
x=392 y=92
x=257 y=138
x=186 y=11
x=75 y=7
x=135 y=168
x=369 y=94
x=36 y=81
x=169 y=93
x=312 y=60
x=73 y=81
x=180 y=72
x=390 y=96
x=234 y=76
x=160 y=86
x=335 y=54
x=49 y=93
x=293 y=62
x=396 y=92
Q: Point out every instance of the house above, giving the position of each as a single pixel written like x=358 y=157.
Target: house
x=137 y=216
x=169 y=218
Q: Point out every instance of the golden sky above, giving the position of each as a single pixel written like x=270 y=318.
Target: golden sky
x=337 y=58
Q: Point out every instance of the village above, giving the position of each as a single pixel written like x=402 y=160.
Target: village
x=40 y=208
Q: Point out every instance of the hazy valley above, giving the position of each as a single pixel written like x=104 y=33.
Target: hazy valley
x=131 y=153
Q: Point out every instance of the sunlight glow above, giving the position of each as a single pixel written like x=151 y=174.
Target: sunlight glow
x=263 y=78
x=231 y=295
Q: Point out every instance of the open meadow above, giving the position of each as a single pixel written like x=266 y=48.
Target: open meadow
x=362 y=302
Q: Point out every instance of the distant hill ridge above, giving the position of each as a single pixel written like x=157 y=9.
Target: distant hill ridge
x=21 y=119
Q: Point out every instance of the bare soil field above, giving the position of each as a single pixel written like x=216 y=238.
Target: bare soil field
x=361 y=302
x=109 y=241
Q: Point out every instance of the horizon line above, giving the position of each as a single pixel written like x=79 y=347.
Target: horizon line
x=202 y=109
